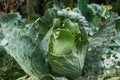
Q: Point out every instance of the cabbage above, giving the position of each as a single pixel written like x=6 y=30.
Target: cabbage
x=67 y=53
x=49 y=45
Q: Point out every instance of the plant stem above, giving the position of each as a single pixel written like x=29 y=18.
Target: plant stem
x=28 y=10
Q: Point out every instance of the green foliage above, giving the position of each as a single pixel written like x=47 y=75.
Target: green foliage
x=60 y=41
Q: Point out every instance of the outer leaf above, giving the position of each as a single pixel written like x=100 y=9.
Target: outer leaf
x=95 y=9
x=46 y=22
x=22 y=46
x=104 y=35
